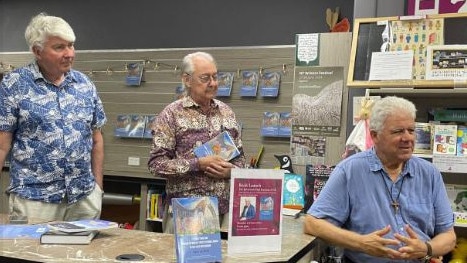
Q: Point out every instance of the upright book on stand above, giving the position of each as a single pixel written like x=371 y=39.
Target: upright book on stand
x=294 y=196
x=197 y=229
x=255 y=219
x=445 y=139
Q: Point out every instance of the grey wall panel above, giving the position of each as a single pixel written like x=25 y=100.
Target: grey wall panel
x=121 y=24
x=154 y=94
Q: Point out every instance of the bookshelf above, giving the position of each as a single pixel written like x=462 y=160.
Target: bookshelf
x=368 y=37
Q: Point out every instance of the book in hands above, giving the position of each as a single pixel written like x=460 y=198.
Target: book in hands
x=222 y=145
x=76 y=238
x=81 y=225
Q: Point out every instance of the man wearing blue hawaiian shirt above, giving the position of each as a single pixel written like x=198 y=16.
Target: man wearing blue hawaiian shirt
x=50 y=121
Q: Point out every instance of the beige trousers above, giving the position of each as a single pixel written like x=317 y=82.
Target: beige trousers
x=88 y=208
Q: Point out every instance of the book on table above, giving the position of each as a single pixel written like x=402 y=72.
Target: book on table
x=197 y=229
x=75 y=238
x=81 y=225
x=293 y=196
x=12 y=231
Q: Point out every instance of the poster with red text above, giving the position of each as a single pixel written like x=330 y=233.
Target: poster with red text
x=255 y=220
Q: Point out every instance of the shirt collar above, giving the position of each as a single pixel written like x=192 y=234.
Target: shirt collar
x=188 y=102
x=377 y=165
x=34 y=68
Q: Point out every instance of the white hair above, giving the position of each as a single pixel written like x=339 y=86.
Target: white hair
x=43 y=26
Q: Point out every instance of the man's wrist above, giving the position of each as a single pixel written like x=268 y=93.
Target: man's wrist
x=429 y=253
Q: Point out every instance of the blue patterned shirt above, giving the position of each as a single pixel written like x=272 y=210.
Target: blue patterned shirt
x=52 y=133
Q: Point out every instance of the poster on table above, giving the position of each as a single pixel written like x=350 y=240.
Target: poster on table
x=255 y=219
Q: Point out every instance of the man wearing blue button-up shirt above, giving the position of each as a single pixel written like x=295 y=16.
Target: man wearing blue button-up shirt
x=50 y=119
x=385 y=205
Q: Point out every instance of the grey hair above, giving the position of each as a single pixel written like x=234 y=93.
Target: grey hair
x=43 y=26
x=385 y=107
x=188 y=65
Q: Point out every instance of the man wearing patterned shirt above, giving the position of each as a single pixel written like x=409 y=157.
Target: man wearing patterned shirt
x=186 y=124
x=51 y=118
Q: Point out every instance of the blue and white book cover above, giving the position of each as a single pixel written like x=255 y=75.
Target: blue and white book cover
x=197 y=229
x=269 y=84
x=150 y=119
x=8 y=231
x=270 y=124
x=285 y=124
x=82 y=225
x=266 y=208
x=130 y=126
x=222 y=145
x=135 y=74
x=249 y=85
x=122 y=125
x=225 y=82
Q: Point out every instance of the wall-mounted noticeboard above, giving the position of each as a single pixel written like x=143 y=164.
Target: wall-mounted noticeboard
x=403 y=33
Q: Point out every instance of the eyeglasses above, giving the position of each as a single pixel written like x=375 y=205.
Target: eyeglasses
x=205 y=78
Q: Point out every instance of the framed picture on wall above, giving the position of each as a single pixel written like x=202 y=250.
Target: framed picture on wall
x=446 y=62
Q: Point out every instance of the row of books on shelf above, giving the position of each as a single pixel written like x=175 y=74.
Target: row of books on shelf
x=134 y=126
x=440 y=139
x=276 y=124
x=268 y=82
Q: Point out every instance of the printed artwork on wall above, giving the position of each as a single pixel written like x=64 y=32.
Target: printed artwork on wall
x=416 y=35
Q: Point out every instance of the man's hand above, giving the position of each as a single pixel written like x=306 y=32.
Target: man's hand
x=414 y=247
x=215 y=166
x=376 y=245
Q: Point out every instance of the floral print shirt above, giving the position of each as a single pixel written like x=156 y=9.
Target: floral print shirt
x=180 y=128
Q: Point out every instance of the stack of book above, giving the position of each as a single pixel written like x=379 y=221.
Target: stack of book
x=79 y=232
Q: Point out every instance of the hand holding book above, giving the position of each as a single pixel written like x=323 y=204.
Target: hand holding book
x=215 y=166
